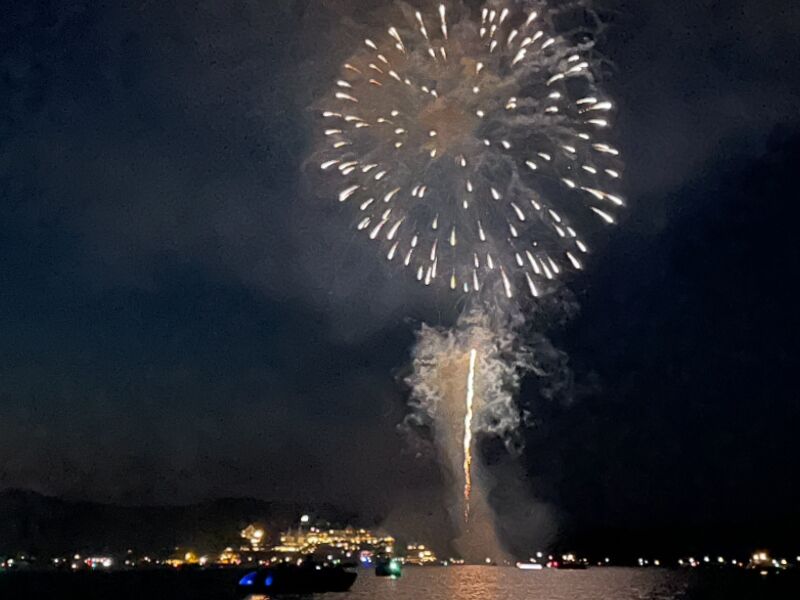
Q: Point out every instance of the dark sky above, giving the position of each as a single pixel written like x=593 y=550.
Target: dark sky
x=179 y=319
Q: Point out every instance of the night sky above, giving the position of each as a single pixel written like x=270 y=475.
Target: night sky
x=182 y=319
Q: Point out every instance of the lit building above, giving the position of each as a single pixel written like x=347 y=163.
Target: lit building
x=338 y=543
x=229 y=557
x=256 y=536
x=418 y=554
x=189 y=558
x=764 y=562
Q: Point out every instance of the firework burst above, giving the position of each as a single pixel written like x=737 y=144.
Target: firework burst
x=471 y=146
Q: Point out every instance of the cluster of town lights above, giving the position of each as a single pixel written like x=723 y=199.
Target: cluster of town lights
x=360 y=546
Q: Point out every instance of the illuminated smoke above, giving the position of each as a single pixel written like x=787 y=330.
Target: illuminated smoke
x=463 y=383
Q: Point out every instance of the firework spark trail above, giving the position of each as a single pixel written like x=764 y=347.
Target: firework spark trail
x=468 y=433
x=464 y=380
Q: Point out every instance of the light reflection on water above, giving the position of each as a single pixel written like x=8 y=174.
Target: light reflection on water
x=481 y=583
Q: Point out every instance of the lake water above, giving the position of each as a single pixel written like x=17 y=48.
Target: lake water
x=480 y=583
x=425 y=583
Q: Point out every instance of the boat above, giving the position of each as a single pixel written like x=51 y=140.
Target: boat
x=389 y=568
x=527 y=566
x=306 y=578
x=568 y=566
x=568 y=562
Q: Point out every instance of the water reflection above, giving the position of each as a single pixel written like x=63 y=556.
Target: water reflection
x=481 y=583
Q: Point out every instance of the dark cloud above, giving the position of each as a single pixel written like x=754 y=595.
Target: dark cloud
x=183 y=316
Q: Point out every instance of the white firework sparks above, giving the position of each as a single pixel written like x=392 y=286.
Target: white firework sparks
x=472 y=148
